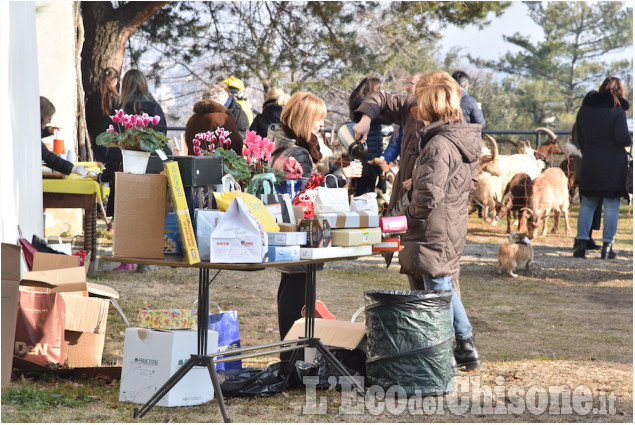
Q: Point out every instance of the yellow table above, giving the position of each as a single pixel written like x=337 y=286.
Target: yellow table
x=74 y=191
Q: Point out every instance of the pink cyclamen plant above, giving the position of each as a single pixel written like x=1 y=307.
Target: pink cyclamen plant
x=257 y=150
x=206 y=143
x=136 y=134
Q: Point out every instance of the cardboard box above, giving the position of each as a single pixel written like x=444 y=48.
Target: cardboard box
x=86 y=311
x=10 y=293
x=139 y=223
x=287 y=238
x=318 y=232
x=288 y=227
x=63 y=221
x=393 y=224
x=179 y=203
x=151 y=357
x=351 y=219
x=45 y=261
x=388 y=244
x=284 y=253
x=334 y=252
x=355 y=237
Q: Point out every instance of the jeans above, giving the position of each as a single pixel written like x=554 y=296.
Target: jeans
x=460 y=322
x=585 y=218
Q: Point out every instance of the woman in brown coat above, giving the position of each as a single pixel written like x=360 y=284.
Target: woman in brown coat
x=440 y=156
x=208 y=116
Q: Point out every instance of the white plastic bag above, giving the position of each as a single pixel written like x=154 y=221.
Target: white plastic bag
x=205 y=221
x=64 y=248
x=365 y=202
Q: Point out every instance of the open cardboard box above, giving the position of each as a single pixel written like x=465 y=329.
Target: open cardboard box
x=10 y=291
x=332 y=333
x=46 y=261
x=86 y=311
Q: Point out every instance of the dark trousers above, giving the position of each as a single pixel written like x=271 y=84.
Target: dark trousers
x=290 y=303
x=368 y=181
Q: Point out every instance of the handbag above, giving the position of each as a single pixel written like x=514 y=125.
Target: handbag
x=331 y=199
x=27 y=249
x=629 y=173
x=262 y=184
x=226 y=324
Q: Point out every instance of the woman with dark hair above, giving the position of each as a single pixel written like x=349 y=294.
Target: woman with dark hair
x=368 y=181
x=602 y=134
x=100 y=105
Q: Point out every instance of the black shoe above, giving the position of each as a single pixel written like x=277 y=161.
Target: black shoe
x=591 y=245
x=607 y=251
x=579 y=248
x=466 y=356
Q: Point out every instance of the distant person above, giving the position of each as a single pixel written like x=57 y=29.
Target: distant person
x=272 y=108
x=54 y=162
x=100 y=105
x=210 y=115
x=237 y=90
x=602 y=134
x=221 y=94
x=472 y=113
x=375 y=138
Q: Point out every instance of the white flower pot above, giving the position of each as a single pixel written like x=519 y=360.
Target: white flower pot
x=135 y=162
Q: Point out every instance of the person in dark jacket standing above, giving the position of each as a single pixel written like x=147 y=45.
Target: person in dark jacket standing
x=272 y=108
x=444 y=172
x=602 y=134
x=375 y=138
x=100 y=105
x=221 y=94
x=472 y=113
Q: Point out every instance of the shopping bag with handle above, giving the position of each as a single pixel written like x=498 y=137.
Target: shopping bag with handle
x=331 y=199
x=226 y=324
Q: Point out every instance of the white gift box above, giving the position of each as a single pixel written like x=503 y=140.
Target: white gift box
x=335 y=252
x=286 y=238
x=238 y=237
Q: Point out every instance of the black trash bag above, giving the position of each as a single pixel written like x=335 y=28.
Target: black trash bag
x=43 y=246
x=409 y=340
x=250 y=382
x=354 y=361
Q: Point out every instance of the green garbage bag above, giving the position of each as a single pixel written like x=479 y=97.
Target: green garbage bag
x=409 y=341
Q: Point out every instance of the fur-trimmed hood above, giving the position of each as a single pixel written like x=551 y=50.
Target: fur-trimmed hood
x=208 y=106
x=598 y=99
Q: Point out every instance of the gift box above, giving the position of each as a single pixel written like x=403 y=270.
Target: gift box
x=172 y=238
x=334 y=252
x=353 y=219
x=287 y=227
x=287 y=238
x=318 y=232
x=284 y=253
x=388 y=244
x=355 y=237
x=168 y=319
x=393 y=224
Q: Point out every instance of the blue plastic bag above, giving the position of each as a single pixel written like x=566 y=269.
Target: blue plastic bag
x=226 y=324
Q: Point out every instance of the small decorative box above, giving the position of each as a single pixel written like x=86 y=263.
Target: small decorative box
x=286 y=238
x=393 y=224
x=388 y=244
x=284 y=253
x=355 y=237
x=318 y=232
x=168 y=319
x=352 y=219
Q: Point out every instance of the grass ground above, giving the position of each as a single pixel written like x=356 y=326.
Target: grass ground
x=564 y=326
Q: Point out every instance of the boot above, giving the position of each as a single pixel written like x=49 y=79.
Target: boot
x=607 y=251
x=466 y=355
x=579 y=248
x=590 y=244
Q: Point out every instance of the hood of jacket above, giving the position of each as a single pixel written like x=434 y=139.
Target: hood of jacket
x=208 y=106
x=141 y=104
x=465 y=137
x=604 y=99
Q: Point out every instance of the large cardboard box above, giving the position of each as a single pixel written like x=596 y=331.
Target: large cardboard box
x=86 y=311
x=179 y=203
x=10 y=291
x=139 y=224
x=151 y=357
x=332 y=333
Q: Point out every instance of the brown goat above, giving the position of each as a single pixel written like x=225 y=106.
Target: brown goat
x=551 y=147
x=548 y=192
x=515 y=200
x=567 y=166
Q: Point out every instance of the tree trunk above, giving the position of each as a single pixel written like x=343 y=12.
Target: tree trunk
x=105 y=33
x=85 y=153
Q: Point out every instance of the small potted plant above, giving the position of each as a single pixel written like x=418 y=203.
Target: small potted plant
x=136 y=141
x=255 y=154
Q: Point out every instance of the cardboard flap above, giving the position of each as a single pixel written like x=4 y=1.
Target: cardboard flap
x=11 y=262
x=45 y=261
x=101 y=291
x=334 y=333
x=60 y=280
x=84 y=314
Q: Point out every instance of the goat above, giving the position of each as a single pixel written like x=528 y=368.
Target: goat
x=551 y=147
x=568 y=166
x=497 y=170
x=548 y=192
x=514 y=200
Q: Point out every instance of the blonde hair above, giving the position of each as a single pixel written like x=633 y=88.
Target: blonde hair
x=301 y=112
x=277 y=94
x=216 y=92
x=438 y=98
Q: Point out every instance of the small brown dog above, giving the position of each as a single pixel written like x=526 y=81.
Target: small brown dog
x=515 y=253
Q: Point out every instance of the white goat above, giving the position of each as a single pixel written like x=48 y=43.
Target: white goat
x=496 y=172
x=549 y=191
